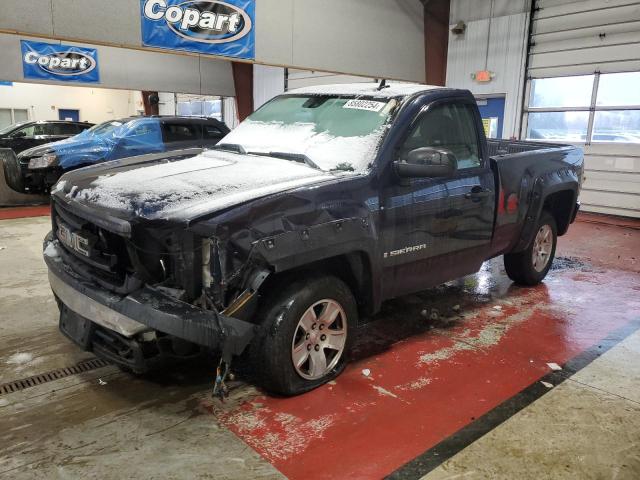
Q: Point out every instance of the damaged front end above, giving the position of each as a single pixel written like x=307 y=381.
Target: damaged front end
x=138 y=294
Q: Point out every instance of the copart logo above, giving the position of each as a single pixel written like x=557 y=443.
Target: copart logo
x=206 y=21
x=61 y=63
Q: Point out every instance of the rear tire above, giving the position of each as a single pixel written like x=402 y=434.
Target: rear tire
x=530 y=266
x=311 y=321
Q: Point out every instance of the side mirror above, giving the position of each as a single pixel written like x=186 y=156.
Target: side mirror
x=427 y=162
x=19 y=135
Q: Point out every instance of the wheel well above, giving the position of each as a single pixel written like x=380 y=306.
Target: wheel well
x=352 y=268
x=560 y=205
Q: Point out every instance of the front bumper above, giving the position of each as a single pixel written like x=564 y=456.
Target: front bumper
x=144 y=310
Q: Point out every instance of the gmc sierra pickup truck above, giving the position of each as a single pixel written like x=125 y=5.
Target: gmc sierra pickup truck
x=274 y=245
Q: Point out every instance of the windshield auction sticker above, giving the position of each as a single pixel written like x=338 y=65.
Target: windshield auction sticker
x=206 y=26
x=66 y=63
x=370 y=105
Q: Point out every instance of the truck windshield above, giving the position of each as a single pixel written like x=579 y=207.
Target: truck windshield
x=336 y=133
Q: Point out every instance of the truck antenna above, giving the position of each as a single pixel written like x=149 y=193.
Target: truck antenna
x=383 y=84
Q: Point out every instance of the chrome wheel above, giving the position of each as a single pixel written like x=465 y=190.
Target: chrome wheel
x=542 y=245
x=319 y=339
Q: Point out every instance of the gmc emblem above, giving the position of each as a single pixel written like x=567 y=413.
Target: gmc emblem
x=72 y=240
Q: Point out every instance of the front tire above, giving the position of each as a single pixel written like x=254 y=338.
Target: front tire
x=307 y=333
x=530 y=266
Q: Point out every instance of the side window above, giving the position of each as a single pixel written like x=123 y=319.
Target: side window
x=82 y=127
x=180 y=132
x=210 y=132
x=41 y=129
x=448 y=127
x=27 y=131
x=144 y=132
x=62 y=129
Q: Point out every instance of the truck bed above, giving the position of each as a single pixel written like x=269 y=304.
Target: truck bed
x=529 y=171
x=498 y=147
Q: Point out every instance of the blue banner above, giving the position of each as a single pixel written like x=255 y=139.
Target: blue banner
x=65 y=63
x=206 y=26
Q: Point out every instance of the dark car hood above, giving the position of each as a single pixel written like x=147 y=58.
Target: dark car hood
x=72 y=152
x=181 y=187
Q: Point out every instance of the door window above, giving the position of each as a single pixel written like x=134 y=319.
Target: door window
x=146 y=132
x=449 y=127
x=211 y=132
x=28 y=131
x=62 y=129
x=180 y=132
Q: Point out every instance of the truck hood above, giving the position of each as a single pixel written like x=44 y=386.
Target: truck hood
x=181 y=187
x=74 y=151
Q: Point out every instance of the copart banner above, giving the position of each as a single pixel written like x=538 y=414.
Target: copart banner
x=66 y=63
x=205 y=26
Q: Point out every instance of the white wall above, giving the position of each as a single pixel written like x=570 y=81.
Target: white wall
x=382 y=38
x=308 y=78
x=358 y=37
x=267 y=83
x=506 y=45
x=95 y=104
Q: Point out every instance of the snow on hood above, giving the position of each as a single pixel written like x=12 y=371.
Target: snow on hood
x=194 y=186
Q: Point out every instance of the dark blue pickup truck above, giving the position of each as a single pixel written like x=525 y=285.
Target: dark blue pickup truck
x=274 y=245
x=37 y=169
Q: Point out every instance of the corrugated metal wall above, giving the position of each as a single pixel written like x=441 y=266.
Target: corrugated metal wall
x=584 y=37
x=502 y=45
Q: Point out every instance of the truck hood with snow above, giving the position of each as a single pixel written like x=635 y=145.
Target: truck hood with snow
x=181 y=187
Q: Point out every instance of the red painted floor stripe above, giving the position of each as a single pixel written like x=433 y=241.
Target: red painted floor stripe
x=24 y=212
x=425 y=387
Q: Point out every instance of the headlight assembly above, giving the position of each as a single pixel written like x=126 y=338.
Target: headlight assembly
x=46 y=160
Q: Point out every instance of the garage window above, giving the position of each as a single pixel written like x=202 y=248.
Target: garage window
x=617 y=109
x=9 y=116
x=584 y=109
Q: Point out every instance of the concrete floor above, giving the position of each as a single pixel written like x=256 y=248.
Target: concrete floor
x=455 y=375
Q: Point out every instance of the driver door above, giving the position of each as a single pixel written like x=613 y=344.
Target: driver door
x=438 y=229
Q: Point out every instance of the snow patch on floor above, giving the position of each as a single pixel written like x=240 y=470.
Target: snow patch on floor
x=416 y=384
x=277 y=436
x=384 y=391
x=489 y=335
x=20 y=358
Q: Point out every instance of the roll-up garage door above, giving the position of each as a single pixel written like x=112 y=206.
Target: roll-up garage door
x=584 y=88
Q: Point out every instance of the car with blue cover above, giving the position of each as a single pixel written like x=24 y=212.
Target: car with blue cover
x=36 y=170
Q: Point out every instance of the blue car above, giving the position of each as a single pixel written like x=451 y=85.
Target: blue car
x=37 y=169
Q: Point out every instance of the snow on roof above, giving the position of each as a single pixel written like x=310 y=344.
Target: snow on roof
x=369 y=89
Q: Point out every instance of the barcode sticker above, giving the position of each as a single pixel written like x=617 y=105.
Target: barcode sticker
x=370 y=105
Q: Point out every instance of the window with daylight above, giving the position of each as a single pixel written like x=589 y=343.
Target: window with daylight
x=10 y=116
x=587 y=108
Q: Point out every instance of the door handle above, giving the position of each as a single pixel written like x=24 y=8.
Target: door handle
x=478 y=192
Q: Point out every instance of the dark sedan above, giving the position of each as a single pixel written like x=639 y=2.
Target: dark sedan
x=24 y=135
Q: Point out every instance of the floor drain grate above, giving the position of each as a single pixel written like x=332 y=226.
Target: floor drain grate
x=28 y=382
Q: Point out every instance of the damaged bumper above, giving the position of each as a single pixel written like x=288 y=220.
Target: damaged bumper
x=145 y=310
